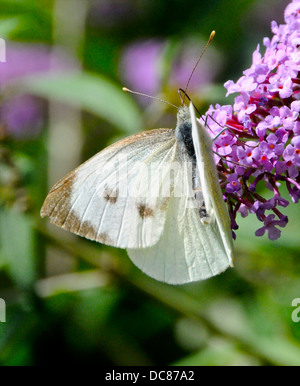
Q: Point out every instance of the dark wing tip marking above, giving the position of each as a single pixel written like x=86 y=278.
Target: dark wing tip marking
x=58 y=196
x=104 y=239
x=145 y=211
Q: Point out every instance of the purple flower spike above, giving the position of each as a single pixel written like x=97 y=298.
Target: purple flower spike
x=234 y=184
x=269 y=226
x=261 y=147
x=277 y=200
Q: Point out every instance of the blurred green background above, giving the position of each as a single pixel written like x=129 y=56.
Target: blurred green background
x=74 y=301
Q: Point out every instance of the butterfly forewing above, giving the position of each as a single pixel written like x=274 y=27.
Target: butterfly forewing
x=115 y=197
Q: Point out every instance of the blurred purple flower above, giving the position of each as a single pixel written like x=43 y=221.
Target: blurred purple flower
x=185 y=62
x=141 y=66
x=23 y=60
x=266 y=126
x=22 y=116
x=108 y=13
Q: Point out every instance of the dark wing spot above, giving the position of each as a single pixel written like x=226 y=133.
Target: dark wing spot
x=145 y=211
x=111 y=195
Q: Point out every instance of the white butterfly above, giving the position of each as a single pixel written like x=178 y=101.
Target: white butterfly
x=157 y=194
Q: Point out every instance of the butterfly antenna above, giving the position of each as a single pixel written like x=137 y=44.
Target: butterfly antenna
x=149 y=96
x=200 y=57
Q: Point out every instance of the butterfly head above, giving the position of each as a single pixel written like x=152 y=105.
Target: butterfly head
x=183 y=115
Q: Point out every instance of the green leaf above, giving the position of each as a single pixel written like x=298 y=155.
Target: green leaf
x=8 y=26
x=94 y=93
x=232 y=319
x=17 y=246
x=219 y=352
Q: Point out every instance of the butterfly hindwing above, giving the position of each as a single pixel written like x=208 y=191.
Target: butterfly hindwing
x=188 y=250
